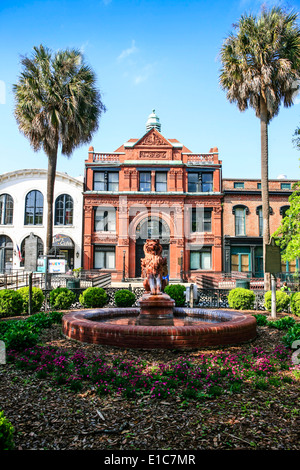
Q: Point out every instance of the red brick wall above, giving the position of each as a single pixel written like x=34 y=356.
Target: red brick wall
x=150 y=149
x=251 y=197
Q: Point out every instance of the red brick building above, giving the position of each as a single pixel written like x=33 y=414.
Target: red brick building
x=153 y=187
x=242 y=223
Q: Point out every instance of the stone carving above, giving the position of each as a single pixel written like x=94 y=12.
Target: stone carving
x=154 y=268
x=156 y=155
x=153 y=139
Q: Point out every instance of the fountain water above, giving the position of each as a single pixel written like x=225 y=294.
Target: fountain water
x=157 y=323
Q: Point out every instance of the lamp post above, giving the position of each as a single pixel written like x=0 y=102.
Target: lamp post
x=124 y=253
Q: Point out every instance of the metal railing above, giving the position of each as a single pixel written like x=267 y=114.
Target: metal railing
x=86 y=279
x=17 y=279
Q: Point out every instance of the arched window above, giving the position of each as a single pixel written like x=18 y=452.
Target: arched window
x=6 y=209
x=240 y=212
x=283 y=210
x=63 y=210
x=260 y=219
x=34 y=204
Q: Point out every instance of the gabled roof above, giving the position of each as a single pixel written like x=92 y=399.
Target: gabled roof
x=153 y=138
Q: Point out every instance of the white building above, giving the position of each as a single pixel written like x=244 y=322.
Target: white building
x=23 y=211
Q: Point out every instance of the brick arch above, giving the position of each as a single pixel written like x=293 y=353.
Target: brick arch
x=139 y=218
x=138 y=245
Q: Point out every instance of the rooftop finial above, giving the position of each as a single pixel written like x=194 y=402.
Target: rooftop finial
x=153 y=121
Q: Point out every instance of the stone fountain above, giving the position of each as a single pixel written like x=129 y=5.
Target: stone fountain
x=157 y=323
x=156 y=307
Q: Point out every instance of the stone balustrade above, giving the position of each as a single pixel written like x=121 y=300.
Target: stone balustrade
x=200 y=158
x=106 y=157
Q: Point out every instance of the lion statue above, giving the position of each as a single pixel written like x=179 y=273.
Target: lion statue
x=154 y=267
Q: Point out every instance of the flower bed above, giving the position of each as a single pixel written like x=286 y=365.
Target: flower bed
x=201 y=378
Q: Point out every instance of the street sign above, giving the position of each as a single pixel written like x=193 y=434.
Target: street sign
x=273 y=258
x=56 y=266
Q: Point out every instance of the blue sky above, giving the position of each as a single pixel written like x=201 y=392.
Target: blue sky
x=160 y=55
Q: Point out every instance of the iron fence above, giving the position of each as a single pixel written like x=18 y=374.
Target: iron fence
x=206 y=298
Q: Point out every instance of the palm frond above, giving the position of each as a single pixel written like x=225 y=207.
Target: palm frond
x=262 y=59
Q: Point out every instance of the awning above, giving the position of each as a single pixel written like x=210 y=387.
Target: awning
x=62 y=241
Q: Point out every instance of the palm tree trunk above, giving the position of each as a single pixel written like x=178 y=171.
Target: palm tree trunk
x=265 y=183
x=52 y=159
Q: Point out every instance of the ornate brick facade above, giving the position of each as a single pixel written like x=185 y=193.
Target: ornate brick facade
x=153 y=187
x=242 y=223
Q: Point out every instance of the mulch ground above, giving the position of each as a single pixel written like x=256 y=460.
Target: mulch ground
x=52 y=418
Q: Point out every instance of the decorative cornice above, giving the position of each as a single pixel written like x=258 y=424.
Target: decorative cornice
x=40 y=173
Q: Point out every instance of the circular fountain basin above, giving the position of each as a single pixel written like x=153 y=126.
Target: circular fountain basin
x=190 y=328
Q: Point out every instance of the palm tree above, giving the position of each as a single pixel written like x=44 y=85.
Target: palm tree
x=57 y=105
x=260 y=69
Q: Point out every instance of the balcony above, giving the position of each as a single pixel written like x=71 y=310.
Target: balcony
x=106 y=158
x=200 y=158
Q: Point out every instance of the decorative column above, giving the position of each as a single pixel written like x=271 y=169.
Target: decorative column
x=179 y=180
x=217 y=224
x=252 y=254
x=177 y=243
x=227 y=255
x=134 y=180
x=123 y=241
x=153 y=181
x=172 y=180
x=87 y=241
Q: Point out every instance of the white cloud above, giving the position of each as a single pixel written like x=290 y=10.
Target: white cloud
x=129 y=51
x=143 y=75
x=84 y=46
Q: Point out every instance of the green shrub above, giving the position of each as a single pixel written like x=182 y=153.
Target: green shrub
x=11 y=303
x=62 y=298
x=40 y=320
x=177 y=293
x=56 y=317
x=282 y=301
x=241 y=299
x=124 y=298
x=293 y=334
x=93 y=297
x=20 y=336
x=6 y=433
x=283 y=323
x=37 y=298
x=295 y=303
x=261 y=319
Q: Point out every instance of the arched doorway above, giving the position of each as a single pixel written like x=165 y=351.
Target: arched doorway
x=40 y=249
x=151 y=228
x=6 y=254
x=64 y=245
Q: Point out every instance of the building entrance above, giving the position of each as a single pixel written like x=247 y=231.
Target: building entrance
x=6 y=254
x=152 y=228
